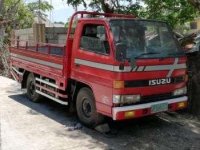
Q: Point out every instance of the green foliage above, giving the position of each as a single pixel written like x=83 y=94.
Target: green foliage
x=119 y=6
x=39 y=8
x=175 y=12
x=21 y=14
x=74 y=3
x=17 y=13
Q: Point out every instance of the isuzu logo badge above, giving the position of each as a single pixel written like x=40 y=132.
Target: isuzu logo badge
x=160 y=81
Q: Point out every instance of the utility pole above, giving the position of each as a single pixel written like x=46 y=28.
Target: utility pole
x=50 y=15
x=40 y=16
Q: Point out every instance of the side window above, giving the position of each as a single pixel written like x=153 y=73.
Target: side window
x=94 y=39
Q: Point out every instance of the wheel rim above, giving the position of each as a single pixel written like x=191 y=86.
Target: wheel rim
x=86 y=107
x=32 y=88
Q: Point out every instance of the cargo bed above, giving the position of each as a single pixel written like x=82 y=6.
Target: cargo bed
x=42 y=58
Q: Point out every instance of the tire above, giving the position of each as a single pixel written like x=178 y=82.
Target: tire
x=86 y=108
x=31 y=89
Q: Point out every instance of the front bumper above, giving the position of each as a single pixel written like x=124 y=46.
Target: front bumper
x=140 y=110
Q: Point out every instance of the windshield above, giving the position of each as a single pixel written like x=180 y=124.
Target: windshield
x=144 y=39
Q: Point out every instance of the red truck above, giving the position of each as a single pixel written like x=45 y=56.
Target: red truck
x=113 y=65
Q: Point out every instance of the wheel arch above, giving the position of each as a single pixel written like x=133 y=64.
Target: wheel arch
x=76 y=86
x=25 y=77
x=93 y=118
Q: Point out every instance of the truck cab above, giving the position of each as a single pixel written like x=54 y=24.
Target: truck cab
x=121 y=67
x=134 y=67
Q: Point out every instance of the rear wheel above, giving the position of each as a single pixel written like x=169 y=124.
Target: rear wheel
x=31 y=89
x=86 y=109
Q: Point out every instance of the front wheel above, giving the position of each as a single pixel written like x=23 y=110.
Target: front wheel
x=86 y=109
x=31 y=89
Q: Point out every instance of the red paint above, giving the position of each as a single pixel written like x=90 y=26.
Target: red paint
x=100 y=81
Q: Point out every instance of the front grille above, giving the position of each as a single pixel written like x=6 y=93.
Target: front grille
x=157 y=97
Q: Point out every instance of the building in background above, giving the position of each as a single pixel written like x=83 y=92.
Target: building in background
x=47 y=22
x=195 y=25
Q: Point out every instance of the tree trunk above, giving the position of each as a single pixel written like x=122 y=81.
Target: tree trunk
x=194 y=83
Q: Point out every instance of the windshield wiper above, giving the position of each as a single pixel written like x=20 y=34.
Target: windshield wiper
x=146 y=53
x=133 y=59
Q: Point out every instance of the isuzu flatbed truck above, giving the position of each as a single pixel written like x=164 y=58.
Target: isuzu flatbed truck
x=112 y=65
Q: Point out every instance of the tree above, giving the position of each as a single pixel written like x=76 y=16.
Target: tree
x=20 y=14
x=175 y=12
x=1 y=18
x=39 y=8
x=1 y=6
x=15 y=14
x=109 y=6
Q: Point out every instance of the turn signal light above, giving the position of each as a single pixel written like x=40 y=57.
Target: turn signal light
x=118 y=84
x=129 y=114
x=181 y=105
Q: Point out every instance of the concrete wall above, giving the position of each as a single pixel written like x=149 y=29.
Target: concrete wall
x=31 y=35
x=56 y=35
x=24 y=34
x=40 y=33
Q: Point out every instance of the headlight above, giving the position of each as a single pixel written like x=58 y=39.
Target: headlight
x=180 y=91
x=125 y=99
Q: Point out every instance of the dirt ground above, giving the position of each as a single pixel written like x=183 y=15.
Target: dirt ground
x=47 y=126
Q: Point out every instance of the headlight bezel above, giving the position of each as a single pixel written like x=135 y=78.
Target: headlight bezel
x=180 y=91
x=126 y=99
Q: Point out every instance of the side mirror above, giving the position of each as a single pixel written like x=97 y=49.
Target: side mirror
x=192 y=49
x=121 y=51
x=121 y=54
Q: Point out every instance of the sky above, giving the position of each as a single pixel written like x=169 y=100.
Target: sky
x=61 y=11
